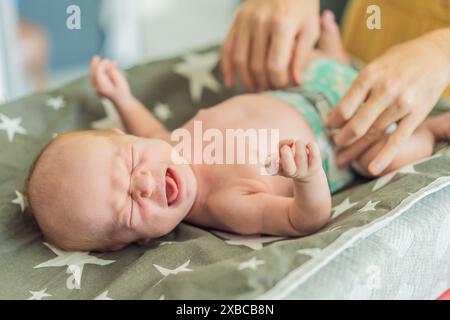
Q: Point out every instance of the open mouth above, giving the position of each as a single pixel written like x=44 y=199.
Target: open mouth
x=172 y=189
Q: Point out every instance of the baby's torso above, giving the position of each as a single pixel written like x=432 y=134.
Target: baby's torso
x=295 y=113
x=233 y=135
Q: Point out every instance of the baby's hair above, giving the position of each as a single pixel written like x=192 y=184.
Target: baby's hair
x=31 y=170
x=31 y=190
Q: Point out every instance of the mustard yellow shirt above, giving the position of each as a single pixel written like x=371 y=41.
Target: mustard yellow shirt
x=401 y=20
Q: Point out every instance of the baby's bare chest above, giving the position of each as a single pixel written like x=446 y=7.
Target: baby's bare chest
x=255 y=114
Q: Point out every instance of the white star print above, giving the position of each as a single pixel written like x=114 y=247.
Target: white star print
x=334 y=229
x=20 y=201
x=56 y=103
x=253 y=264
x=11 y=126
x=74 y=261
x=166 y=243
x=163 y=297
x=198 y=69
x=162 y=111
x=112 y=119
x=165 y=272
x=370 y=206
x=253 y=242
x=312 y=252
x=344 y=206
x=38 y=295
x=103 y=296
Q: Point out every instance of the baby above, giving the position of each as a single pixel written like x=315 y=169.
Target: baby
x=103 y=190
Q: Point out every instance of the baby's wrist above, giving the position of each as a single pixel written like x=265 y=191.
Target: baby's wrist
x=122 y=100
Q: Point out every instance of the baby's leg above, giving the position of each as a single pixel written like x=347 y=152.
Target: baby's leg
x=419 y=146
x=330 y=42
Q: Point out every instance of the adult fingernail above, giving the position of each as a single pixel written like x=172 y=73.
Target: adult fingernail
x=376 y=168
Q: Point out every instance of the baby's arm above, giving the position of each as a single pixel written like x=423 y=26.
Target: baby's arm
x=245 y=212
x=310 y=208
x=111 y=84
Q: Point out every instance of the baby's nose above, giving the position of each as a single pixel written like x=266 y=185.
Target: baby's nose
x=143 y=184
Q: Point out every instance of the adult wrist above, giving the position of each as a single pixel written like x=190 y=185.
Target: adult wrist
x=441 y=40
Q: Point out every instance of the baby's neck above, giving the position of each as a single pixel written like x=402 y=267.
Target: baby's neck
x=202 y=192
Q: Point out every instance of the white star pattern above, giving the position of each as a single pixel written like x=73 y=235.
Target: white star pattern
x=344 y=206
x=198 y=69
x=165 y=272
x=370 y=206
x=252 y=242
x=103 y=296
x=253 y=264
x=312 y=252
x=56 y=103
x=39 y=295
x=163 y=297
x=162 y=111
x=20 y=201
x=11 y=126
x=74 y=261
x=166 y=243
x=112 y=119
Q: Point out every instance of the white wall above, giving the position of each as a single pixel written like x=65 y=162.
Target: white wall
x=146 y=30
x=12 y=79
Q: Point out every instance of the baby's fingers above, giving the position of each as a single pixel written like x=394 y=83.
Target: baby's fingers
x=288 y=167
x=314 y=157
x=301 y=158
x=101 y=77
x=94 y=64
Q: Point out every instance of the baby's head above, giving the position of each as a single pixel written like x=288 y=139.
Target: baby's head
x=102 y=190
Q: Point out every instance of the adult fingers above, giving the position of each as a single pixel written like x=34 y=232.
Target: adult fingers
x=227 y=59
x=352 y=100
x=404 y=131
x=304 y=45
x=259 y=52
x=376 y=132
x=241 y=54
x=366 y=115
x=280 y=52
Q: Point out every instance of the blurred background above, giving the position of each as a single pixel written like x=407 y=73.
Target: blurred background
x=38 y=51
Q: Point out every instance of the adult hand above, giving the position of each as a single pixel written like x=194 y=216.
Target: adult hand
x=401 y=86
x=269 y=43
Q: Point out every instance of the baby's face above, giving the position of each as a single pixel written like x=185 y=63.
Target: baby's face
x=125 y=188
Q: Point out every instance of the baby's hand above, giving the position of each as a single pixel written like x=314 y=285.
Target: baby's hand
x=108 y=81
x=298 y=160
